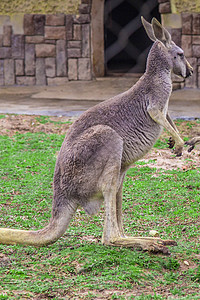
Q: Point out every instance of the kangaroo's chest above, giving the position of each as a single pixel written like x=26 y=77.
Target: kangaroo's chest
x=139 y=141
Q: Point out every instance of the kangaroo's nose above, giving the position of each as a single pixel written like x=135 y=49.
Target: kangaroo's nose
x=189 y=72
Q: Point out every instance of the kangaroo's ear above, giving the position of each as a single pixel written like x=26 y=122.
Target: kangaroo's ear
x=149 y=29
x=161 y=33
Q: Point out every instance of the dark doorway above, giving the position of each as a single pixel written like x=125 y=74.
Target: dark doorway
x=126 y=43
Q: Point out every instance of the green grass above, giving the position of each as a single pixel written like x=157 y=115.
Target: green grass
x=47 y=119
x=77 y=265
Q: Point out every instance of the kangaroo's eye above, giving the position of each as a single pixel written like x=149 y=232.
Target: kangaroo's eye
x=181 y=55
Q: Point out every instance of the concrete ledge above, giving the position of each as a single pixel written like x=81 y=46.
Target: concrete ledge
x=75 y=97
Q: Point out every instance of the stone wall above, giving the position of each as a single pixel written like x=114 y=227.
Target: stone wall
x=185 y=31
x=52 y=50
x=191 y=45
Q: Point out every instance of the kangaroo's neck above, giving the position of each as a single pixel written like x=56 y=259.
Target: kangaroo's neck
x=158 y=70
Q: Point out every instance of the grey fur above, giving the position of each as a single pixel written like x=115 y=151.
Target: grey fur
x=105 y=141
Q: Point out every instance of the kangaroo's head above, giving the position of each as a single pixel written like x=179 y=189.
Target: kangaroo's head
x=174 y=54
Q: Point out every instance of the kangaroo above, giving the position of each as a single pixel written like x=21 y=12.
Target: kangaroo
x=104 y=142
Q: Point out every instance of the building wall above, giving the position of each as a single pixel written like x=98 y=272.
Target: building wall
x=51 y=42
x=52 y=49
x=12 y=12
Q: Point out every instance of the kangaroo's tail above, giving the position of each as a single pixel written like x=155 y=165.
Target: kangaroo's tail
x=48 y=235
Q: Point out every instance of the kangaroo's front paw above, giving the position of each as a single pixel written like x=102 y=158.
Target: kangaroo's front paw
x=191 y=146
x=171 y=143
x=192 y=142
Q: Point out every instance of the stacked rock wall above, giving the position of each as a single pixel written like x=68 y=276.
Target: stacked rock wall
x=191 y=45
x=52 y=50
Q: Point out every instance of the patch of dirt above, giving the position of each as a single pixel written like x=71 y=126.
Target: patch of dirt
x=156 y=158
x=12 y=124
x=165 y=159
x=137 y=290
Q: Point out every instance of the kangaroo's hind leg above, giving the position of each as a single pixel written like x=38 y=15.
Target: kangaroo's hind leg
x=110 y=184
x=119 y=198
x=113 y=233
x=92 y=173
x=113 y=223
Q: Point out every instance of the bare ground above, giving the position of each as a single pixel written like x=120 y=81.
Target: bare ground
x=12 y=124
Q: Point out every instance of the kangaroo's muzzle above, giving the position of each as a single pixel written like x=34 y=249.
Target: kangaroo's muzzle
x=189 y=70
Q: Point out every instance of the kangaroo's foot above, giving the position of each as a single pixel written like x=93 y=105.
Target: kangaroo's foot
x=178 y=148
x=151 y=244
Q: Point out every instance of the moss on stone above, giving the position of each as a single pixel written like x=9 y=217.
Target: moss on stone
x=38 y=7
x=179 y=6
